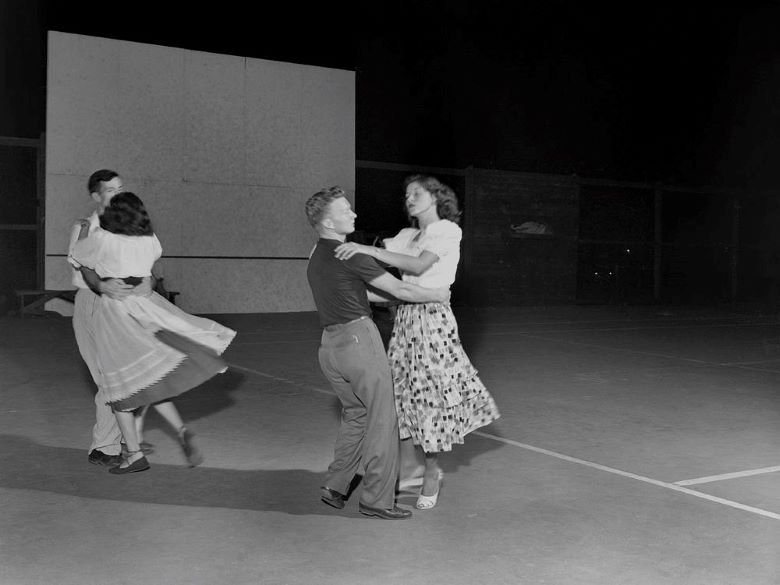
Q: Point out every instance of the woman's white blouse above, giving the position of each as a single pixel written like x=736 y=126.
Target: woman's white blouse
x=115 y=256
x=441 y=238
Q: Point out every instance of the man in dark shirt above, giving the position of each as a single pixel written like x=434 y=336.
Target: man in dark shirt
x=353 y=359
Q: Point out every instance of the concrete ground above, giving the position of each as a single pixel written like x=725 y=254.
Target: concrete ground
x=637 y=445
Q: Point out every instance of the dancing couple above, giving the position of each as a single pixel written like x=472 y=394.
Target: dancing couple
x=140 y=349
x=425 y=389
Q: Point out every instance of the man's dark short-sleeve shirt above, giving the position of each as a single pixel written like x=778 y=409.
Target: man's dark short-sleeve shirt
x=339 y=286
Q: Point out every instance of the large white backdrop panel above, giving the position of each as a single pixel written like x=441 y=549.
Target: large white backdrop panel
x=223 y=150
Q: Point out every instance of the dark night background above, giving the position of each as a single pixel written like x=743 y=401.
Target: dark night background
x=683 y=94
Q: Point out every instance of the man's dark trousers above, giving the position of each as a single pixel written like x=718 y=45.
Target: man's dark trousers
x=353 y=359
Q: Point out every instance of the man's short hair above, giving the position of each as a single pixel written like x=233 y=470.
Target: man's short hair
x=317 y=204
x=101 y=176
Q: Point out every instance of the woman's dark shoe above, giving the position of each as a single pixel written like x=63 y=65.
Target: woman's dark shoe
x=191 y=452
x=138 y=465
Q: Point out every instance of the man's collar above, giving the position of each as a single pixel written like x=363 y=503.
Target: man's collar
x=329 y=241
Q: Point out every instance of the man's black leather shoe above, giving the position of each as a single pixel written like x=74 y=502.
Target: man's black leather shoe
x=332 y=497
x=394 y=513
x=97 y=457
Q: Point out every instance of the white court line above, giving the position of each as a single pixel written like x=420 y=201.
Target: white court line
x=663 y=484
x=724 y=476
x=268 y=331
x=739 y=364
x=752 y=369
x=280 y=342
x=655 y=482
x=285 y=380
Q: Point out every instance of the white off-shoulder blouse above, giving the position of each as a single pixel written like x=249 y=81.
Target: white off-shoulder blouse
x=116 y=256
x=441 y=238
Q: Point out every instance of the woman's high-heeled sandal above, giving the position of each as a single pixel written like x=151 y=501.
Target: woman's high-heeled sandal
x=428 y=502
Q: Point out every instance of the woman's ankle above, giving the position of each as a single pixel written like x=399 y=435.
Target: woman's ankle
x=412 y=471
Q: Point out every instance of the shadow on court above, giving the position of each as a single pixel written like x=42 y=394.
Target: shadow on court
x=212 y=396
x=32 y=466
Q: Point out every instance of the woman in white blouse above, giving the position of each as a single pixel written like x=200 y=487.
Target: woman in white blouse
x=439 y=397
x=148 y=350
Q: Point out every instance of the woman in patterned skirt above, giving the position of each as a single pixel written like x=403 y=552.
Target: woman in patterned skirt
x=439 y=397
x=147 y=349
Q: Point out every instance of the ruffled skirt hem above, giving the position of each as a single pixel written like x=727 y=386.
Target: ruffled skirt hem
x=199 y=364
x=439 y=396
x=147 y=349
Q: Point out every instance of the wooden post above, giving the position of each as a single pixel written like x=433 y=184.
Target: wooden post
x=657 y=244
x=40 y=253
x=735 y=249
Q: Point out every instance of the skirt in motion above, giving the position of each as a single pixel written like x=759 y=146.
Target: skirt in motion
x=148 y=350
x=438 y=396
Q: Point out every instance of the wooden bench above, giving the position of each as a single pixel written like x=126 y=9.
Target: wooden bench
x=45 y=295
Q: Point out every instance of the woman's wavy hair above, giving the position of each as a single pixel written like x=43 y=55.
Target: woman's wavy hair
x=446 y=200
x=127 y=216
